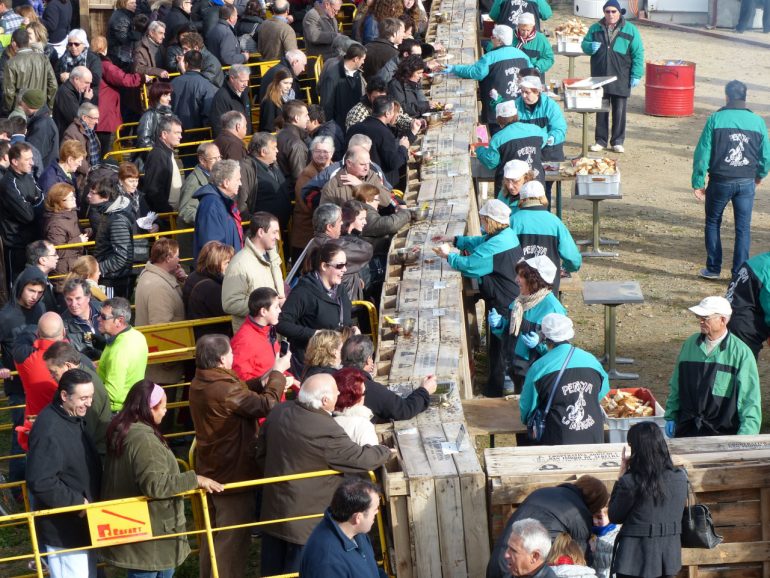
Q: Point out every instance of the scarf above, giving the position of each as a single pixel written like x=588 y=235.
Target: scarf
x=69 y=62
x=524 y=303
x=94 y=149
x=602 y=530
x=522 y=40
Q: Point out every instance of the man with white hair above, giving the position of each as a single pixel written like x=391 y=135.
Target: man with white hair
x=295 y=62
x=356 y=171
x=83 y=130
x=497 y=71
x=714 y=389
x=234 y=95
x=320 y=444
x=572 y=381
x=148 y=53
x=528 y=549
x=74 y=92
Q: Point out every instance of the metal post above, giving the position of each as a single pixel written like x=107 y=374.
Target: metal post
x=571 y=68
x=596 y=237
x=209 y=534
x=612 y=371
x=585 y=134
x=35 y=546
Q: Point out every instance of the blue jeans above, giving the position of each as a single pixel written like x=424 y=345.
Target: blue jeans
x=150 y=573
x=718 y=194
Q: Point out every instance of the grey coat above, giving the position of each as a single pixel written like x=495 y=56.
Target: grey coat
x=319 y=31
x=639 y=554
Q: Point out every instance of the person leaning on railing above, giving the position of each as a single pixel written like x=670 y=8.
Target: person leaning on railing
x=140 y=463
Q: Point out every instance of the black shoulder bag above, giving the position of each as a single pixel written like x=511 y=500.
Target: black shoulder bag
x=697 y=525
x=536 y=422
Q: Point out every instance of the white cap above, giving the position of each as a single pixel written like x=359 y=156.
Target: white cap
x=515 y=169
x=531 y=190
x=526 y=18
x=497 y=211
x=506 y=109
x=713 y=306
x=544 y=267
x=532 y=82
x=557 y=327
x=504 y=33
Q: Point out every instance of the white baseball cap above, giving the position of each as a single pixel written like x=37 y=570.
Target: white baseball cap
x=497 y=211
x=557 y=327
x=544 y=267
x=713 y=306
x=531 y=190
x=506 y=109
x=515 y=169
x=504 y=33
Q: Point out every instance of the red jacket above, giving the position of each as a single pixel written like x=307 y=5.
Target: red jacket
x=39 y=386
x=254 y=350
x=114 y=81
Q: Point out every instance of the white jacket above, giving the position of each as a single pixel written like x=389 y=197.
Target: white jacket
x=357 y=423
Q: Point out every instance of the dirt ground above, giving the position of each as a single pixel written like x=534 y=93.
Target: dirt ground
x=658 y=221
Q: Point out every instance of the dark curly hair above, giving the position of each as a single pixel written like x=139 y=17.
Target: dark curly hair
x=408 y=66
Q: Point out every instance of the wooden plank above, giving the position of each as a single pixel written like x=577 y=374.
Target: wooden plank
x=718 y=444
x=486 y=416
x=448 y=503
x=474 y=504
x=401 y=555
x=736 y=553
x=764 y=518
x=735 y=513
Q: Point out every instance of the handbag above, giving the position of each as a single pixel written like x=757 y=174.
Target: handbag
x=697 y=525
x=536 y=422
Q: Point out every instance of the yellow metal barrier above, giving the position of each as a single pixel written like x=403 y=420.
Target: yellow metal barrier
x=170 y=216
x=198 y=497
x=371 y=310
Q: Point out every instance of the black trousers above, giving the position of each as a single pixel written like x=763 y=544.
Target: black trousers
x=279 y=556
x=497 y=367
x=618 y=109
x=748 y=9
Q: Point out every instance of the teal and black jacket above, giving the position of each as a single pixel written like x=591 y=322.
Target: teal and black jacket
x=498 y=70
x=716 y=393
x=540 y=232
x=507 y=11
x=540 y=52
x=492 y=260
x=749 y=294
x=575 y=416
x=517 y=140
x=621 y=56
x=546 y=114
x=733 y=145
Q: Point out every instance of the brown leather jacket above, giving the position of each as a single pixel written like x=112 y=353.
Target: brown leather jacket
x=225 y=412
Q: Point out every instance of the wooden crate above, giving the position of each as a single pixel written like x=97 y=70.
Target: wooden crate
x=730 y=474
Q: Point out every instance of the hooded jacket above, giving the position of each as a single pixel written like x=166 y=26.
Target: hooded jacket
x=217 y=219
x=15 y=319
x=114 y=249
x=20 y=201
x=43 y=135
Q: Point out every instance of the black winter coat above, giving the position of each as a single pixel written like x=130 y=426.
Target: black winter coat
x=559 y=509
x=157 y=178
x=57 y=17
x=225 y=100
x=267 y=78
x=202 y=296
x=20 y=203
x=94 y=64
x=192 y=98
x=66 y=104
x=410 y=96
x=387 y=405
x=147 y=131
x=43 y=135
x=272 y=193
x=378 y=52
x=339 y=92
x=114 y=249
x=649 y=543
x=63 y=469
x=307 y=308
x=174 y=20
x=121 y=37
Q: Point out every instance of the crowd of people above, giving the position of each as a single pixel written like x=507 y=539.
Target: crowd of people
x=315 y=174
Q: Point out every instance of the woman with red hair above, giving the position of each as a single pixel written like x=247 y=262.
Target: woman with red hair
x=350 y=411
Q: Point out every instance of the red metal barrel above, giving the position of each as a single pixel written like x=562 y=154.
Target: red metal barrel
x=670 y=89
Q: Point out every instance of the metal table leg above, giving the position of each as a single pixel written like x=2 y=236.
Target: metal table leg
x=558 y=199
x=606 y=356
x=585 y=134
x=571 y=67
x=596 y=240
x=612 y=371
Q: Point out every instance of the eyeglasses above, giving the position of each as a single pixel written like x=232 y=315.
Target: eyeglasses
x=104 y=317
x=74 y=44
x=213 y=158
x=707 y=317
x=96 y=118
x=55 y=255
x=338 y=266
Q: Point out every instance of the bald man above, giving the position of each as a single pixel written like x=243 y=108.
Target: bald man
x=39 y=385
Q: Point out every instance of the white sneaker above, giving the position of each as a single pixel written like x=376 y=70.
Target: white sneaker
x=596 y=147
x=618 y=149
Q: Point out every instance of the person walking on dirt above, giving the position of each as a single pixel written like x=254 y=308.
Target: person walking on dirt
x=748 y=11
x=735 y=152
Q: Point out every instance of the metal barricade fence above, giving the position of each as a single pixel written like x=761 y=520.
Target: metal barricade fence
x=202 y=526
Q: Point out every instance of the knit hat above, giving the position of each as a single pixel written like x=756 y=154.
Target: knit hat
x=506 y=109
x=557 y=327
x=544 y=267
x=504 y=33
x=515 y=169
x=613 y=4
x=34 y=98
x=532 y=190
x=526 y=18
x=497 y=211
